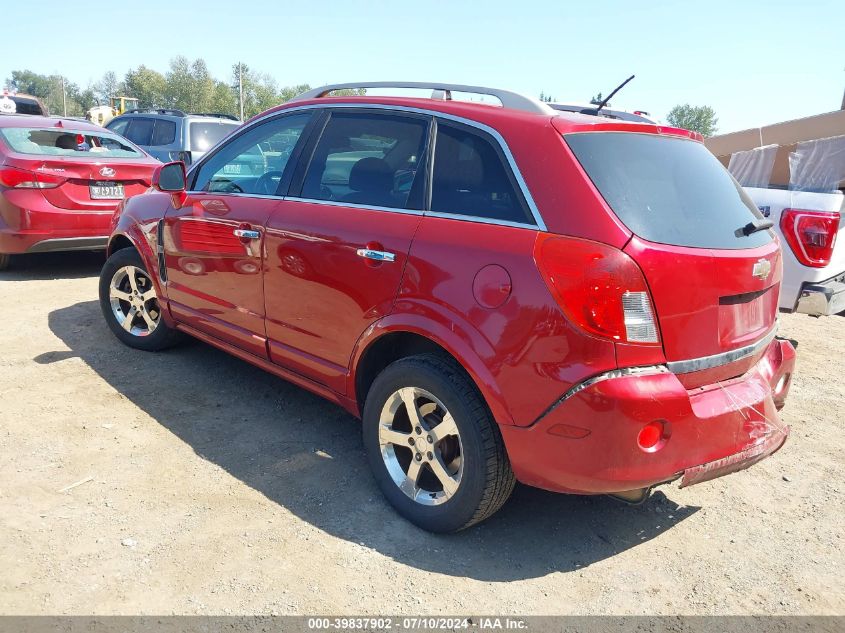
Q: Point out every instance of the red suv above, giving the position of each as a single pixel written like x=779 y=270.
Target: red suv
x=60 y=183
x=501 y=293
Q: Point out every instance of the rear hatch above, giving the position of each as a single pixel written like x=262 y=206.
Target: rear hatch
x=714 y=287
x=79 y=169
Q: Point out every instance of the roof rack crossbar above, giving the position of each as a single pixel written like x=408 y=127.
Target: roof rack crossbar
x=170 y=111
x=217 y=115
x=510 y=100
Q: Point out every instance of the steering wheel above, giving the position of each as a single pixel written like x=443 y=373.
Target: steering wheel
x=265 y=185
x=224 y=185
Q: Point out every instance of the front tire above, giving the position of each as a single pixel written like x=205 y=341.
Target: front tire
x=130 y=305
x=433 y=446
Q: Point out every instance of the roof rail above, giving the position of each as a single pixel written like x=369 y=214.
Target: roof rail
x=217 y=115
x=170 y=111
x=442 y=91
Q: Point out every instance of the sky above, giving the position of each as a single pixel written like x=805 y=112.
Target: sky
x=754 y=62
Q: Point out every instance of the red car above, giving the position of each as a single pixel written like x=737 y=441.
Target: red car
x=500 y=293
x=60 y=183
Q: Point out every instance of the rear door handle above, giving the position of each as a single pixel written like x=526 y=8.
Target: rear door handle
x=378 y=256
x=247 y=234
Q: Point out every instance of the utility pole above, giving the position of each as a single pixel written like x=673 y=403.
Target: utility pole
x=64 y=98
x=241 y=88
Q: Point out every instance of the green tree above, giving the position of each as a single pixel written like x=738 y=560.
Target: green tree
x=48 y=88
x=107 y=87
x=700 y=119
x=596 y=100
x=146 y=85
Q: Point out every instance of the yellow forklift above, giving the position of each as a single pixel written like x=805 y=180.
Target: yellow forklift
x=102 y=114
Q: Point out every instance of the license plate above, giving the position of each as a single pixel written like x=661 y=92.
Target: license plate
x=106 y=190
x=232 y=169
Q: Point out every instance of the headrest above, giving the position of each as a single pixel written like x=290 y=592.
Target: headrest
x=371 y=174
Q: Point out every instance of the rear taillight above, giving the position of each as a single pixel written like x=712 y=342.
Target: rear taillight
x=810 y=234
x=600 y=288
x=22 y=179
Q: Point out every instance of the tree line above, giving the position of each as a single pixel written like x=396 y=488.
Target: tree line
x=187 y=85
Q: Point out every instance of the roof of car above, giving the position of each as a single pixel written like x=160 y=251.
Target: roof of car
x=493 y=115
x=179 y=114
x=31 y=120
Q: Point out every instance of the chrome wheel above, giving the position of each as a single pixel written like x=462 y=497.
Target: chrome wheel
x=421 y=446
x=133 y=301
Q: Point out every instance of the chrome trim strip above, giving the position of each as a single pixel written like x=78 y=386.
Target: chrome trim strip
x=608 y=375
x=353 y=205
x=708 y=362
x=532 y=206
x=233 y=193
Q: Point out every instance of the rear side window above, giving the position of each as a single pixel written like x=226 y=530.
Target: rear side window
x=668 y=190
x=140 y=131
x=471 y=177
x=368 y=158
x=164 y=132
x=205 y=135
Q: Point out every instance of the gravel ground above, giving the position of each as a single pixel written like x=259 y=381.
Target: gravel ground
x=212 y=487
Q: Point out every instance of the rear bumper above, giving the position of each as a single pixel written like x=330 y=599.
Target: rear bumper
x=822 y=299
x=588 y=443
x=51 y=229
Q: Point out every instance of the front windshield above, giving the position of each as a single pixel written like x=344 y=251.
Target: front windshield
x=64 y=142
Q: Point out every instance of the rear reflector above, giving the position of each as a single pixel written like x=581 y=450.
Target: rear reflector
x=651 y=436
x=599 y=288
x=23 y=179
x=810 y=234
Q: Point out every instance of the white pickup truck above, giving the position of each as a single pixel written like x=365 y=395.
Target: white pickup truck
x=795 y=173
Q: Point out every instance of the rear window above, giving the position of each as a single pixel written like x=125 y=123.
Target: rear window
x=63 y=142
x=668 y=190
x=205 y=135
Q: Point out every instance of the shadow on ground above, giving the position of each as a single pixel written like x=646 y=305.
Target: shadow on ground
x=38 y=266
x=306 y=454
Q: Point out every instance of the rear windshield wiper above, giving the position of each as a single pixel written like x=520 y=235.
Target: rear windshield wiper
x=758 y=224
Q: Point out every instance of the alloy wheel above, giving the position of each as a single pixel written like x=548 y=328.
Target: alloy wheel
x=133 y=301
x=421 y=446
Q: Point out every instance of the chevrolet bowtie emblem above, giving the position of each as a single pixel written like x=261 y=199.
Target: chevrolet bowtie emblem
x=762 y=269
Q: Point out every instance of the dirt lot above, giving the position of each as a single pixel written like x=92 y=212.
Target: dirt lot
x=220 y=489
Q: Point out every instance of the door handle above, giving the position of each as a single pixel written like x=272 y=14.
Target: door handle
x=247 y=234
x=377 y=256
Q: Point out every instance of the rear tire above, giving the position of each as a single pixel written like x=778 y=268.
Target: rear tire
x=130 y=305
x=443 y=466
x=5 y=260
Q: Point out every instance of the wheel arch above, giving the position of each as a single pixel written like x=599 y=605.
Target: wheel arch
x=390 y=340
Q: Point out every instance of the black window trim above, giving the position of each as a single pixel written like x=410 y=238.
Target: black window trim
x=287 y=175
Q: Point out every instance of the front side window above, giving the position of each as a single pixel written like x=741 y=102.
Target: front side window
x=118 y=126
x=66 y=142
x=254 y=161
x=472 y=179
x=368 y=158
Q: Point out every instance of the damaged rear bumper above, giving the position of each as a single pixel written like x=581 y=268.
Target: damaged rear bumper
x=589 y=443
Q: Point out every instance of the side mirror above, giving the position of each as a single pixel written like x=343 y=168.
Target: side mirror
x=170 y=177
